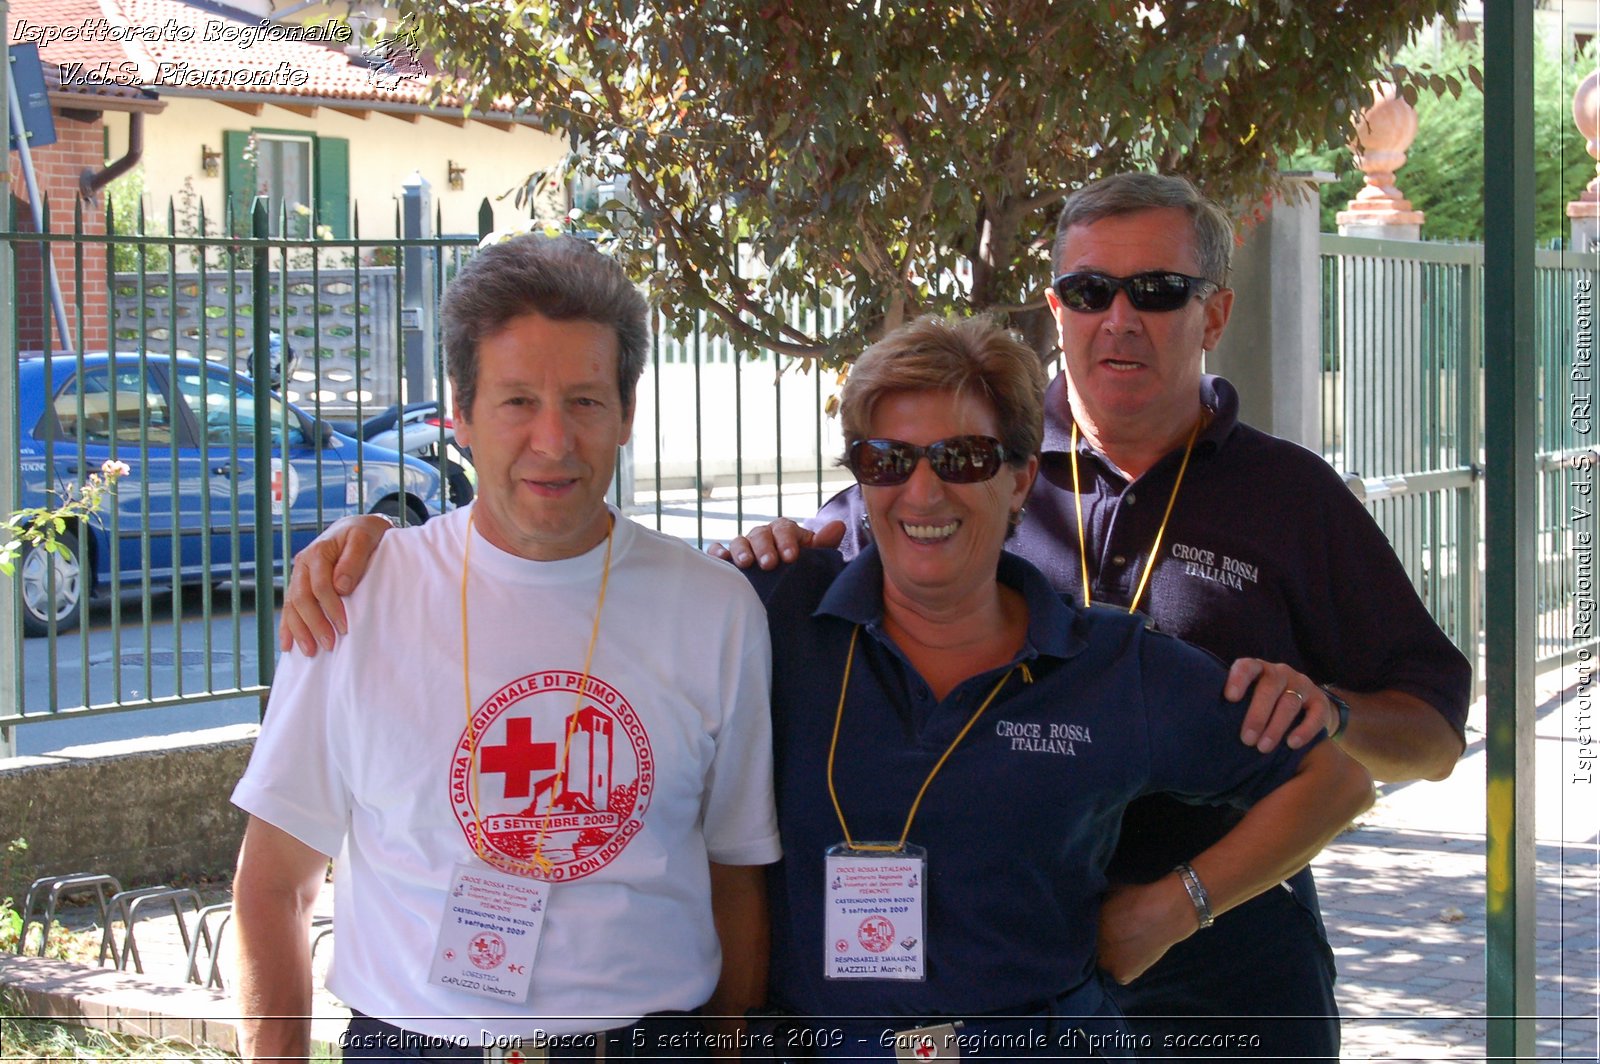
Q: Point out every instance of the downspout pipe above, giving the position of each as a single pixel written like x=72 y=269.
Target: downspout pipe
x=90 y=182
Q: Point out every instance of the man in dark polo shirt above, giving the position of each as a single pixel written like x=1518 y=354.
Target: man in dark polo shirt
x=1261 y=555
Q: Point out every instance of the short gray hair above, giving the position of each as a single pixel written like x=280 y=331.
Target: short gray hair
x=562 y=278
x=1127 y=193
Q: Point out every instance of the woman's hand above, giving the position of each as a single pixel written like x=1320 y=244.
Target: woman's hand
x=1139 y=923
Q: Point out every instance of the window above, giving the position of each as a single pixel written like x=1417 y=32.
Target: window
x=112 y=408
x=283 y=176
x=302 y=176
x=228 y=411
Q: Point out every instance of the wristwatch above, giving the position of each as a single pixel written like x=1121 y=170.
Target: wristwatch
x=1341 y=707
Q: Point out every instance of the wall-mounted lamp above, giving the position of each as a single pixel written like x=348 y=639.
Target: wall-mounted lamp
x=458 y=175
x=210 y=161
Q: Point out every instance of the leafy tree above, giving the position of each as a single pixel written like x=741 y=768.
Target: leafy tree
x=126 y=196
x=1443 y=174
x=910 y=154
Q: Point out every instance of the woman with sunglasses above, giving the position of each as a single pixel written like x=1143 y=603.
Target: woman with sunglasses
x=955 y=744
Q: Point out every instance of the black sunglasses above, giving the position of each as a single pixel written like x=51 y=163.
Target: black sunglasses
x=1088 y=292
x=956 y=460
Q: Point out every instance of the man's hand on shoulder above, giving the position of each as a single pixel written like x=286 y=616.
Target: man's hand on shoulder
x=765 y=545
x=1397 y=736
x=328 y=568
x=1285 y=706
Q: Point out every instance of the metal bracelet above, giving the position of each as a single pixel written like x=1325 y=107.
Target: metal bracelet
x=1197 y=893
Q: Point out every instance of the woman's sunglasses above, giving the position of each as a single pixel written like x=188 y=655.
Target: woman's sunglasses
x=956 y=460
x=1088 y=292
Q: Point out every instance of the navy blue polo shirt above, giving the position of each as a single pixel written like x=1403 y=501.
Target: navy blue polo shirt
x=1267 y=554
x=1021 y=821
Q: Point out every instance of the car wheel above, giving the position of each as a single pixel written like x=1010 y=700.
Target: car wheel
x=393 y=508
x=457 y=485
x=70 y=590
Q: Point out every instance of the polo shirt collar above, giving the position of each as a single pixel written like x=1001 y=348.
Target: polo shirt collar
x=1216 y=395
x=856 y=595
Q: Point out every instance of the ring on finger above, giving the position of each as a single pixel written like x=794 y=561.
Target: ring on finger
x=1297 y=694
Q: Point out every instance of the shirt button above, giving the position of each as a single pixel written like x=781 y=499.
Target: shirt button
x=1119 y=559
x=922 y=692
x=1130 y=498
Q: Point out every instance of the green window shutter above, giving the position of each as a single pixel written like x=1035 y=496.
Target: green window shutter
x=333 y=185
x=238 y=181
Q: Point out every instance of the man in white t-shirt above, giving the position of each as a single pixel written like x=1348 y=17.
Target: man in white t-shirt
x=542 y=755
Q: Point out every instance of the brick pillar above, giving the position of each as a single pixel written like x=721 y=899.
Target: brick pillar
x=79 y=146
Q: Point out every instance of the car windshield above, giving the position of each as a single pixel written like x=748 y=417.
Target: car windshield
x=227 y=409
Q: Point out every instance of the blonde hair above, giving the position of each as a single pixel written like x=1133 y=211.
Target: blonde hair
x=952 y=354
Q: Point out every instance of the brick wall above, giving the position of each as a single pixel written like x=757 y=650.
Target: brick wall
x=79 y=145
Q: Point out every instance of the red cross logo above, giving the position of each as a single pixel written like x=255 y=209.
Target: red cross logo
x=515 y=1057
x=925 y=1049
x=519 y=758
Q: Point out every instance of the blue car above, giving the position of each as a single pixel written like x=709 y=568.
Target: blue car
x=186 y=430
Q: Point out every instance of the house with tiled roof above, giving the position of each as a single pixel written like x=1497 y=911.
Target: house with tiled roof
x=218 y=104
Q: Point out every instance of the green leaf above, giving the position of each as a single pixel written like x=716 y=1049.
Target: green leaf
x=833 y=132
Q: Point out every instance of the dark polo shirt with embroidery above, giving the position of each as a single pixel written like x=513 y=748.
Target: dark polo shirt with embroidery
x=1020 y=822
x=1267 y=555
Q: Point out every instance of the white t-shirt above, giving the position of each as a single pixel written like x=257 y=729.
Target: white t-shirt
x=668 y=764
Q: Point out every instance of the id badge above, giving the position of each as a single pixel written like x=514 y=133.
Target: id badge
x=875 y=913
x=490 y=933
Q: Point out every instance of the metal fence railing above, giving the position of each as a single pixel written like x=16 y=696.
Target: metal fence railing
x=1402 y=359
x=226 y=479
x=719 y=441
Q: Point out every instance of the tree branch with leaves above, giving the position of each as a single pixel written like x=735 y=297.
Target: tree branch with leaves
x=908 y=155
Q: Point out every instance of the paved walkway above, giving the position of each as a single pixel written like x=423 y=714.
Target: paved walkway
x=1403 y=897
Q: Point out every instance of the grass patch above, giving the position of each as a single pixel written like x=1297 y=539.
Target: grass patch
x=28 y=1038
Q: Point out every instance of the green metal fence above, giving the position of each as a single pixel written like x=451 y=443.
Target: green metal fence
x=719 y=441
x=195 y=433
x=1402 y=357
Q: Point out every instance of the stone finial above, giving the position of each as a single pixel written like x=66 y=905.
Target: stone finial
x=1383 y=133
x=1586 y=115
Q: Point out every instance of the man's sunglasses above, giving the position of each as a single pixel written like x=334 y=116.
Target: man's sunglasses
x=1088 y=292
x=956 y=460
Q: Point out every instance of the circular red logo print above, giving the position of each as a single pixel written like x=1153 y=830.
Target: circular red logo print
x=568 y=776
x=486 y=950
x=876 y=933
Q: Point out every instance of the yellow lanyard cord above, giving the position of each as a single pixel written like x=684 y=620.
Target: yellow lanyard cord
x=1155 y=547
x=833 y=746
x=540 y=862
